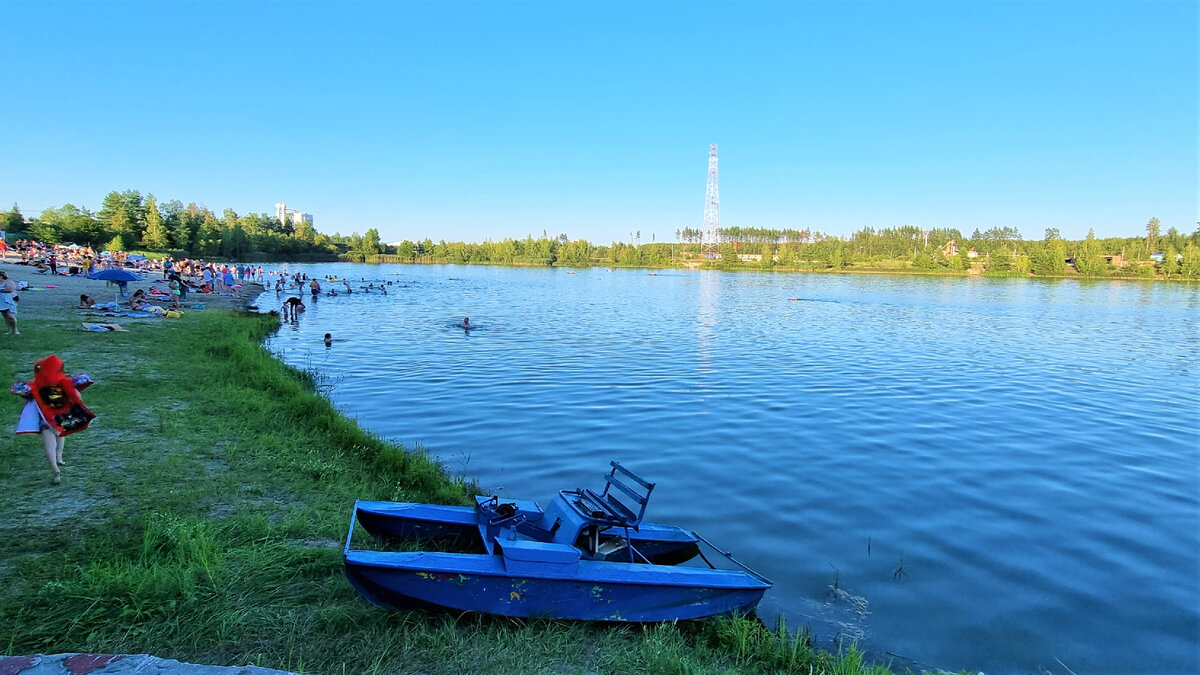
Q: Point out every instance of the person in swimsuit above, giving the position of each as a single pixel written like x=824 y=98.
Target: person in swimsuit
x=8 y=302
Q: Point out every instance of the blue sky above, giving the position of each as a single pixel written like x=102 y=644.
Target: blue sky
x=465 y=121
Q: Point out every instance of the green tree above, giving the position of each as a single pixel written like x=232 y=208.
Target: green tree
x=729 y=256
x=1191 y=261
x=44 y=231
x=787 y=257
x=1000 y=261
x=837 y=259
x=1152 y=234
x=182 y=223
x=12 y=221
x=208 y=236
x=1051 y=260
x=768 y=257
x=1089 y=258
x=371 y=242
x=1169 y=266
x=1052 y=234
x=155 y=236
x=305 y=232
x=229 y=219
x=1022 y=264
x=116 y=219
x=235 y=243
x=76 y=224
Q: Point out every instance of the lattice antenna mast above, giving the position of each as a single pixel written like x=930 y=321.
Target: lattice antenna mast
x=712 y=208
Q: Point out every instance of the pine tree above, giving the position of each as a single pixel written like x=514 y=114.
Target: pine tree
x=208 y=237
x=114 y=214
x=155 y=236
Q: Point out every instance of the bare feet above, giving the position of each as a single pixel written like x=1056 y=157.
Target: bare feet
x=57 y=479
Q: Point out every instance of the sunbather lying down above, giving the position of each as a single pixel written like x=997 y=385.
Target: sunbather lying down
x=103 y=327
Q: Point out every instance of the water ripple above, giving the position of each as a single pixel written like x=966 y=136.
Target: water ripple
x=998 y=473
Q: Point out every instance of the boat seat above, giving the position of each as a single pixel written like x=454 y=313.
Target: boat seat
x=616 y=504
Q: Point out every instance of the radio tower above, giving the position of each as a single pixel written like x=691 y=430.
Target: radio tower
x=712 y=208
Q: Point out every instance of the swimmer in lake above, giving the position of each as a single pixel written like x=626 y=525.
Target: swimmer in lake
x=467 y=323
x=328 y=340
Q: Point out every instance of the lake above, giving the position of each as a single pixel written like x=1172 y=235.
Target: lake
x=998 y=474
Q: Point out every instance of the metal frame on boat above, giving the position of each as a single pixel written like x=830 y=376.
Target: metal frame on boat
x=588 y=555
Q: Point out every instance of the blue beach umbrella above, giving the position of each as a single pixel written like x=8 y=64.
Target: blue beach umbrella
x=136 y=256
x=121 y=277
x=114 y=275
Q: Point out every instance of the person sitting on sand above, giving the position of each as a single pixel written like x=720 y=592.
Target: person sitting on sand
x=138 y=302
x=86 y=301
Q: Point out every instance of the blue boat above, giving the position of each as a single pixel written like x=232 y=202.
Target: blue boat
x=586 y=556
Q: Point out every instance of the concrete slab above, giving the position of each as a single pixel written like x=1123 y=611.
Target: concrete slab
x=117 y=664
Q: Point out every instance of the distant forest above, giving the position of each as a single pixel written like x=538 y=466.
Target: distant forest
x=128 y=221
x=995 y=252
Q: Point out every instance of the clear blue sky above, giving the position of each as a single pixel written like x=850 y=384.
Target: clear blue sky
x=463 y=121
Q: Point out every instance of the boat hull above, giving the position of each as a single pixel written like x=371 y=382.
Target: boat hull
x=578 y=590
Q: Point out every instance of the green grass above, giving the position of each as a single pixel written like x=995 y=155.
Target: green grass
x=201 y=519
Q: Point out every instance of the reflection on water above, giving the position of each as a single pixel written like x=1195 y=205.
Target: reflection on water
x=971 y=473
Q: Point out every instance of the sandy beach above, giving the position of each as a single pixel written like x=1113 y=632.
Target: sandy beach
x=61 y=299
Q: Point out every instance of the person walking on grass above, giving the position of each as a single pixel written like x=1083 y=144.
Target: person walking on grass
x=54 y=410
x=8 y=302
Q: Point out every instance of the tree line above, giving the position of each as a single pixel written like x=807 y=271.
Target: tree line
x=999 y=251
x=127 y=220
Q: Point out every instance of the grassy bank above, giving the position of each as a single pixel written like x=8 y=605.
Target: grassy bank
x=201 y=517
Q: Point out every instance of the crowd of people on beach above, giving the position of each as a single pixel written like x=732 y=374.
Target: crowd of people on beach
x=182 y=277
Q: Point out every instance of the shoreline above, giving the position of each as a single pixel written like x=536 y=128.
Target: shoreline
x=201 y=519
x=898 y=271
x=39 y=302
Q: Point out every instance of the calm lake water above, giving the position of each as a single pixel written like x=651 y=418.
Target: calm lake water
x=999 y=474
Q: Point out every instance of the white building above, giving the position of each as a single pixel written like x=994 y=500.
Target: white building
x=284 y=214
